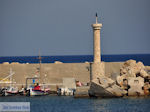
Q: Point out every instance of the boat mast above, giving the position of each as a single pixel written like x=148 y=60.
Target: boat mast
x=40 y=61
x=10 y=75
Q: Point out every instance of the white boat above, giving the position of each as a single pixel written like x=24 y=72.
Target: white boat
x=65 y=92
x=37 y=91
x=10 y=91
x=68 y=88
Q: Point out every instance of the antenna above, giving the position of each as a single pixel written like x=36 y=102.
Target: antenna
x=96 y=18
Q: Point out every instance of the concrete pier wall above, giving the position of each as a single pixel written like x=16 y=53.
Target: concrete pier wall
x=112 y=69
x=53 y=73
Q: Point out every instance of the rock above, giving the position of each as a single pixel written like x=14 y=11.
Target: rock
x=147 y=68
x=141 y=65
x=120 y=79
x=105 y=87
x=58 y=62
x=131 y=80
x=5 y=63
x=131 y=68
x=15 y=63
x=143 y=73
x=87 y=62
x=129 y=63
x=98 y=90
x=136 y=84
x=133 y=74
x=146 y=88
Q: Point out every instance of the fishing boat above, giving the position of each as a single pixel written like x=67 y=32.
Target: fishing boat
x=37 y=91
x=34 y=89
x=9 y=90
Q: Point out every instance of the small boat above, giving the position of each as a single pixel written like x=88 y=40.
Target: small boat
x=68 y=87
x=65 y=92
x=10 y=91
x=22 y=91
x=37 y=91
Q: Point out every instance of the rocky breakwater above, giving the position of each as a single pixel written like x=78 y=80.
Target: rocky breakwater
x=133 y=80
x=104 y=86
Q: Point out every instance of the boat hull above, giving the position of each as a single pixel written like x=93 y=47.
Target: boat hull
x=9 y=93
x=32 y=92
x=37 y=93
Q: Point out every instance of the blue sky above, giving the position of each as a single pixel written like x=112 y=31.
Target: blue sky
x=63 y=27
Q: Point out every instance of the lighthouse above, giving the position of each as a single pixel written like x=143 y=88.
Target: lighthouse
x=96 y=36
x=98 y=67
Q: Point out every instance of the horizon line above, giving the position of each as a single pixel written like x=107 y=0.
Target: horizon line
x=77 y=55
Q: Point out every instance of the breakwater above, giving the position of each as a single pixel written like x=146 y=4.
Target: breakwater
x=54 y=72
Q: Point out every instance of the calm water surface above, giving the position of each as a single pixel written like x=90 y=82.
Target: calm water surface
x=69 y=104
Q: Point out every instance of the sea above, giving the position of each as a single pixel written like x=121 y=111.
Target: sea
x=70 y=104
x=145 y=58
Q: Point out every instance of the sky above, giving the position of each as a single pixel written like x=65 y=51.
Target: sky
x=63 y=27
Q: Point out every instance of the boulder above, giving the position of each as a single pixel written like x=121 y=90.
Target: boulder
x=105 y=87
x=132 y=69
x=146 y=88
x=58 y=62
x=136 y=84
x=5 y=63
x=143 y=73
x=15 y=63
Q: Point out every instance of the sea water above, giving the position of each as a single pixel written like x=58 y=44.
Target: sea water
x=145 y=58
x=70 y=104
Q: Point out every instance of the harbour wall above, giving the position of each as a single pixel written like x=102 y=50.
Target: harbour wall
x=53 y=73
x=50 y=73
